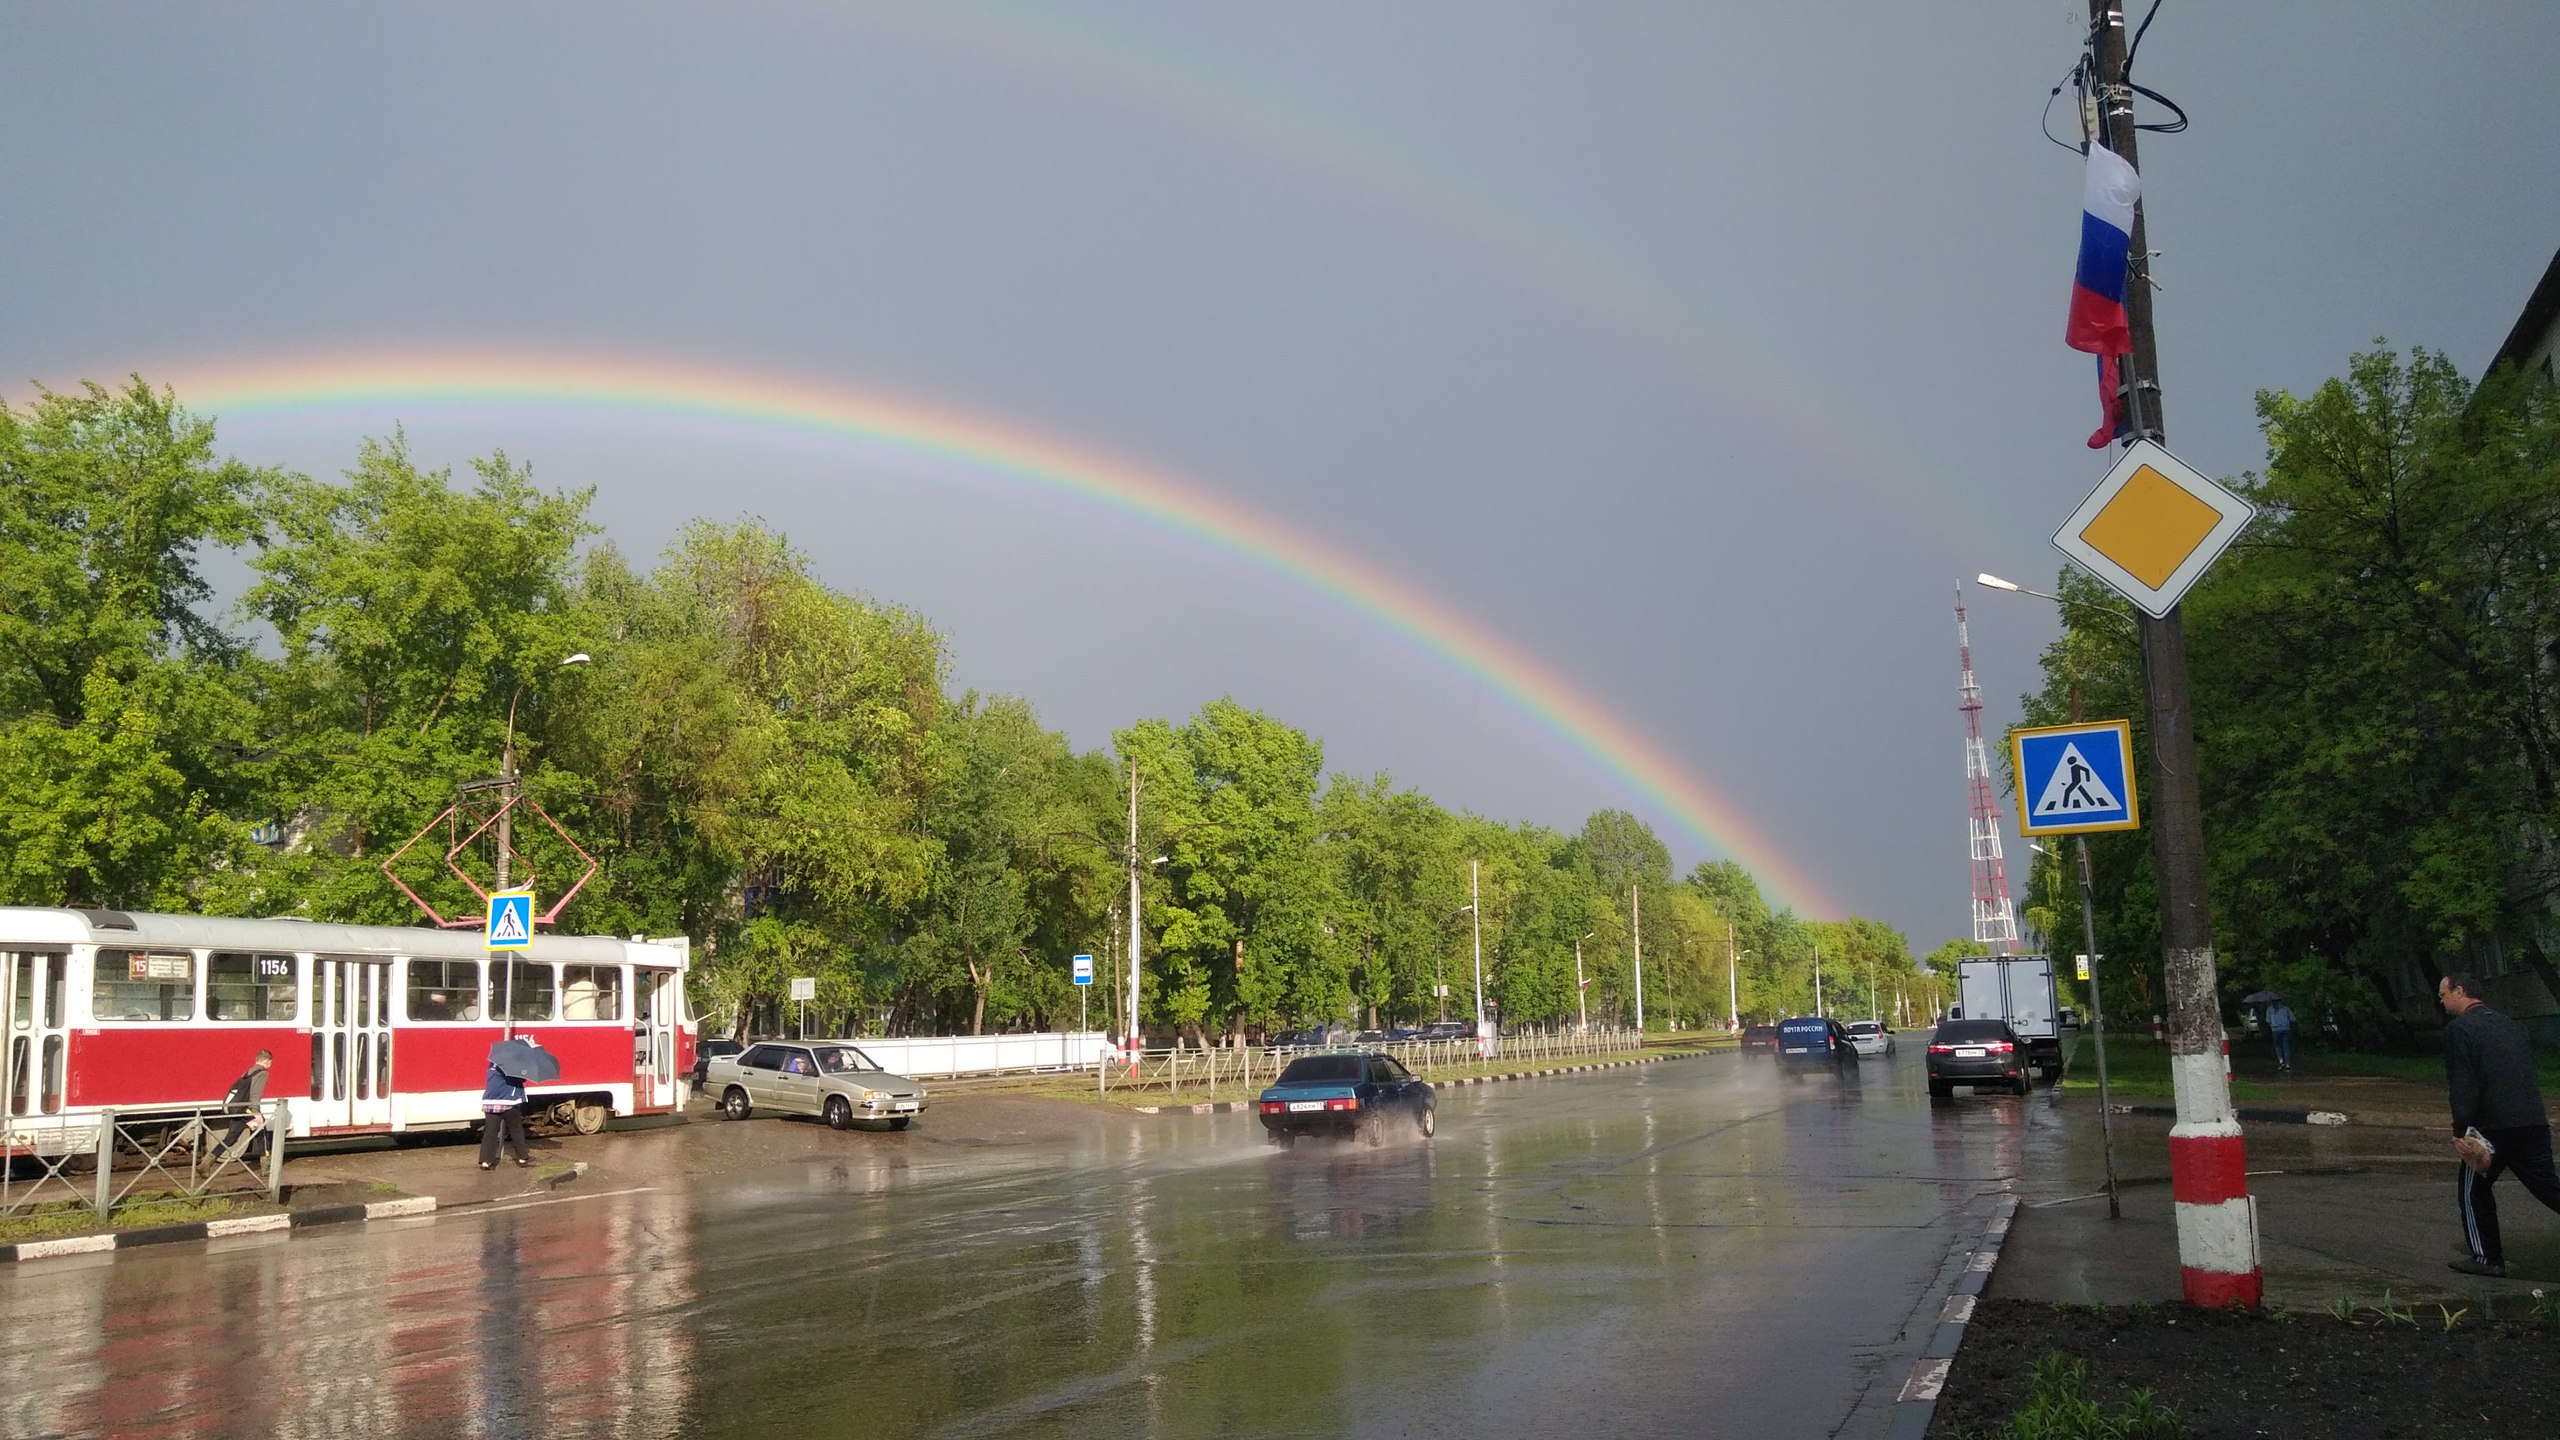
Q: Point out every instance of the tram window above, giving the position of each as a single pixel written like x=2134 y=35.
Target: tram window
x=527 y=988
x=144 y=985
x=590 y=992
x=444 y=989
x=249 y=987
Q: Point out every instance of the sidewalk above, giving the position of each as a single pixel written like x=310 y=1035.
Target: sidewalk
x=2352 y=1210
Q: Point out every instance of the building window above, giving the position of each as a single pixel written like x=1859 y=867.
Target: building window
x=444 y=989
x=249 y=988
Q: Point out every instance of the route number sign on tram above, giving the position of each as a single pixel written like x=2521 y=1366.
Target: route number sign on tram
x=510 y=924
x=2075 y=779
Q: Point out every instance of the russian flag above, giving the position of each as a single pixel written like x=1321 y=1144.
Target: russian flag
x=2098 y=325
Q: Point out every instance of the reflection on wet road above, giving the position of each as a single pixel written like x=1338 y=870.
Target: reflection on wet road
x=1679 y=1249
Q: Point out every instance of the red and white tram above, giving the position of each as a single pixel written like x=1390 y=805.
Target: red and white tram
x=373 y=1028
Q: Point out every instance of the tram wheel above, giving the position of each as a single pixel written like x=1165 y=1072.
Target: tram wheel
x=589 y=1118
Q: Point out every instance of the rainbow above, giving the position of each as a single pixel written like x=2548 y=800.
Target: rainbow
x=368 y=385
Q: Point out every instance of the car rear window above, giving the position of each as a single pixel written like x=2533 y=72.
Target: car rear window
x=1973 y=1029
x=1324 y=1069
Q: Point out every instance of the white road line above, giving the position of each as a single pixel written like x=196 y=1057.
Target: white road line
x=547 y=1200
x=1927 y=1378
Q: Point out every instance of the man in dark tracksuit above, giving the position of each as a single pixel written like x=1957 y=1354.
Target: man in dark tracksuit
x=2488 y=1067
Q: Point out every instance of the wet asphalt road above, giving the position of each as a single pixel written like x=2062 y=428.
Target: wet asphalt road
x=1684 y=1249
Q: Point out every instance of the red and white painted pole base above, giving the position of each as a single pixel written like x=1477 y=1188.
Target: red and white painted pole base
x=2208 y=1179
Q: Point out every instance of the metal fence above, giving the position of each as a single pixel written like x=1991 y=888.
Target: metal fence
x=1240 y=1070
x=125 y=1157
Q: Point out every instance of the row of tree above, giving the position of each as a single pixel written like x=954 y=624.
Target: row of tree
x=769 y=766
x=2376 y=670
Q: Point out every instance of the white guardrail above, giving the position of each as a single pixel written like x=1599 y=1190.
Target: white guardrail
x=923 y=1056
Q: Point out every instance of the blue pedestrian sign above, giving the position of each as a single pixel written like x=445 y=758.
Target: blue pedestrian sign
x=2074 y=779
x=1084 y=969
x=510 y=921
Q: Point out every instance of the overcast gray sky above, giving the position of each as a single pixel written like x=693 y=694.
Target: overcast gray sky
x=1697 y=351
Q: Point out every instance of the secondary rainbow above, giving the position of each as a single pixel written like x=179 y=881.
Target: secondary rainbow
x=361 y=383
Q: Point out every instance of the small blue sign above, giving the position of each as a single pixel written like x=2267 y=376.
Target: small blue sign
x=1084 y=969
x=510 y=924
x=2074 y=779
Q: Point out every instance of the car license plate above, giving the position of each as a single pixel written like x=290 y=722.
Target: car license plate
x=1799 y=1049
x=906 y=1105
x=1297 y=1105
x=1970 y=1052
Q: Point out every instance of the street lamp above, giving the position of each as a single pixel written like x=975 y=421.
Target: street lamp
x=1994 y=582
x=1474 y=910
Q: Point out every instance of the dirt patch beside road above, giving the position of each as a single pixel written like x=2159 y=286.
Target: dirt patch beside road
x=2397 y=1372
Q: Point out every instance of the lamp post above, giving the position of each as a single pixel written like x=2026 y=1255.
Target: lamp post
x=508 y=781
x=1635 y=916
x=1475 y=912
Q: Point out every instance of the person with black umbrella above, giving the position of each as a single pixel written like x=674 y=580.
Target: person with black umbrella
x=502 y=1100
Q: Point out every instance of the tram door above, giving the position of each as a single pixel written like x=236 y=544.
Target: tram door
x=655 y=1081
x=32 y=1035
x=350 y=1042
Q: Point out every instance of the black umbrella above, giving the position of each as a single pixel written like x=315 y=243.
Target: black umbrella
x=2261 y=997
x=521 y=1060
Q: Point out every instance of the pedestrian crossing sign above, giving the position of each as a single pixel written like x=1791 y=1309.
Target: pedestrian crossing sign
x=510 y=920
x=2074 y=779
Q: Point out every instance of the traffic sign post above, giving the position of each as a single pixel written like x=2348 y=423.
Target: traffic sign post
x=2153 y=527
x=2075 y=779
x=1084 y=987
x=509 y=926
x=804 y=988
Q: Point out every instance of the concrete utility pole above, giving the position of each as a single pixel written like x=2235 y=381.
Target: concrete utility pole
x=1475 y=915
x=2208 y=1166
x=1635 y=914
x=1581 y=987
x=1817 y=978
x=1132 y=1037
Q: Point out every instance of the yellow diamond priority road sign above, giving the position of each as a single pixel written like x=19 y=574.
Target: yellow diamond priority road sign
x=2152 y=527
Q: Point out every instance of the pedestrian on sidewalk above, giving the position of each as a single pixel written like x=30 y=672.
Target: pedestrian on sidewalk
x=502 y=1119
x=246 y=1095
x=2488 y=1067
x=2280 y=1030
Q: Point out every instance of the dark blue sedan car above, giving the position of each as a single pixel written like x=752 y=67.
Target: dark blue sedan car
x=1344 y=1095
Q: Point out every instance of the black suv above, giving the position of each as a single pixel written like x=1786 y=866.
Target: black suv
x=1980 y=1053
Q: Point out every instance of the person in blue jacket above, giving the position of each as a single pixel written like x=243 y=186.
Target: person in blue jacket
x=502 y=1119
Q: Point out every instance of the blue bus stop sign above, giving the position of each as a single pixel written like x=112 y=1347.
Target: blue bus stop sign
x=1084 y=969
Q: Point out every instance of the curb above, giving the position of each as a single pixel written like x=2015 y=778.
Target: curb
x=1917 y=1404
x=1246 y=1106
x=215 y=1229
x=2252 y=1114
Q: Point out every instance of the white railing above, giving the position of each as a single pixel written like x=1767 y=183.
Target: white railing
x=1239 y=1070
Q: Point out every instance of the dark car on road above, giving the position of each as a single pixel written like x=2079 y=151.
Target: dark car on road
x=1448 y=1030
x=1810 y=1043
x=1979 y=1053
x=708 y=1051
x=1760 y=1037
x=1345 y=1095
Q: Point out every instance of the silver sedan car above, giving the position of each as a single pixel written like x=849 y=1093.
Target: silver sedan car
x=830 y=1079
x=1870 y=1038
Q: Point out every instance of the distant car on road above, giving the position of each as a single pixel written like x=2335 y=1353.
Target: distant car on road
x=1979 y=1053
x=1760 y=1037
x=1449 y=1030
x=1345 y=1095
x=708 y=1051
x=1810 y=1043
x=1870 y=1037
x=826 y=1078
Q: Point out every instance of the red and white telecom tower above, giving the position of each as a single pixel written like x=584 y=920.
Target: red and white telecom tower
x=1995 y=921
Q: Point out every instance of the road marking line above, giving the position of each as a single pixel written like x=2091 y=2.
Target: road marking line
x=549 y=1200
x=1983 y=1260
x=1927 y=1378
x=1958 y=1311
x=73 y=1245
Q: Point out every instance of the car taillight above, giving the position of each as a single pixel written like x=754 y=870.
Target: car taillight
x=1942 y=1049
x=1274 y=1107
x=1999 y=1047
x=1351 y=1104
